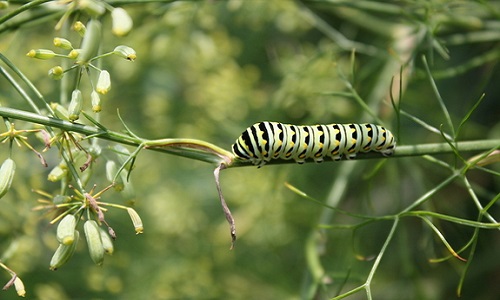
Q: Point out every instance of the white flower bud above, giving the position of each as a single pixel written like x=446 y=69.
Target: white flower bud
x=125 y=52
x=136 y=220
x=96 y=101
x=122 y=23
x=103 y=83
x=75 y=105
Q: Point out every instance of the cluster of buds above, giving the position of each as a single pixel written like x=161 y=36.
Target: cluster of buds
x=83 y=58
x=121 y=21
x=99 y=241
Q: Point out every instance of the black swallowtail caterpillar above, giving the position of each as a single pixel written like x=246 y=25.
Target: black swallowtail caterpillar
x=264 y=141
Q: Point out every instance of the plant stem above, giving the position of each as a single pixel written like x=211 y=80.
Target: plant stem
x=191 y=148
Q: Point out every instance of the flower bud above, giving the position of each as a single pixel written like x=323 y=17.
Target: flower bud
x=73 y=54
x=80 y=28
x=66 y=230
x=57 y=173
x=123 y=155
x=59 y=111
x=111 y=171
x=103 y=83
x=60 y=199
x=56 y=73
x=19 y=285
x=62 y=43
x=63 y=253
x=107 y=242
x=41 y=54
x=136 y=220
x=482 y=161
x=122 y=23
x=75 y=105
x=7 y=171
x=4 y=4
x=96 y=101
x=91 y=41
x=92 y=7
x=94 y=242
x=125 y=52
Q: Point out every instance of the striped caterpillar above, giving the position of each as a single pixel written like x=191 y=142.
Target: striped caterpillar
x=264 y=141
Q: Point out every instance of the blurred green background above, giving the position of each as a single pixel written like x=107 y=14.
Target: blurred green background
x=209 y=69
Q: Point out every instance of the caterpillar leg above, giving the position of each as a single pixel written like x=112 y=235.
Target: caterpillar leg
x=387 y=152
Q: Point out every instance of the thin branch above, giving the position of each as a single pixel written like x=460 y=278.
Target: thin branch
x=207 y=152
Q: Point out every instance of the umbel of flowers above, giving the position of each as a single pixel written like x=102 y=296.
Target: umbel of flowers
x=83 y=62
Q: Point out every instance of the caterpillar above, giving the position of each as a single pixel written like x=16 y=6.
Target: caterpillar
x=264 y=141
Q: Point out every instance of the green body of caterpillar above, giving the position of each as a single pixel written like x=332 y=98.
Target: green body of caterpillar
x=264 y=141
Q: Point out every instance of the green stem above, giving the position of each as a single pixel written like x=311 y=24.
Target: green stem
x=204 y=151
x=19 y=10
x=190 y=148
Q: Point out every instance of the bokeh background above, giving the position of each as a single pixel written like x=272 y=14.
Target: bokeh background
x=209 y=69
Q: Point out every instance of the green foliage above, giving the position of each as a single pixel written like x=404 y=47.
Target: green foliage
x=91 y=86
